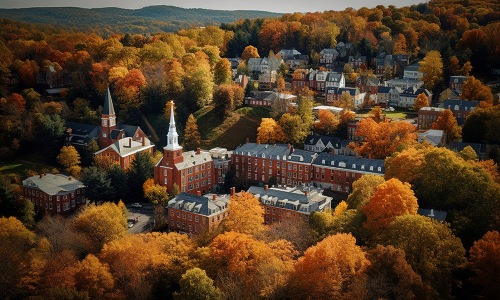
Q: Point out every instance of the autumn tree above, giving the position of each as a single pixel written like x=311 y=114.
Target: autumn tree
x=293 y=127
x=192 y=137
x=195 y=284
x=342 y=264
x=362 y=190
x=222 y=72
x=474 y=90
x=94 y=277
x=128 y=88
x=270 y=131
x=391 y=277
x=384 y=138
x=344 y=101
x=481 y=125
x=17 y=243
x=155 y=193
x=430 y=247
x=391 y=199
x=447 y=122
x=246 y=214
x=421 y=101
x=249 y=52
x=70 y=159
x=400 y=46
x=485 y=264
x=247 y=267
x=112 y=224
x=432 y=69
x=224 y=99
x=327 y=122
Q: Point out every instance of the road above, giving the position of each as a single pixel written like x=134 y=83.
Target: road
x=144 y=216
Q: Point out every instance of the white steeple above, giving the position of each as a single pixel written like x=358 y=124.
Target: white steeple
x=172 y=136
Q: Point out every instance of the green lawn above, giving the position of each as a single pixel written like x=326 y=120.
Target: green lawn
x=19 y=165
x=395 y=115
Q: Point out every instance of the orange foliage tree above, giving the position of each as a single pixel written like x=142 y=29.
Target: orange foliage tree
x=484 y=261
x=270 y=131
x=332 y=269
x=391 y=199
x=421 y=101
x=474 y=90
x=327 y=123
x=249 y=52
x=448 y=123
x=246 y=214
x=384 y=138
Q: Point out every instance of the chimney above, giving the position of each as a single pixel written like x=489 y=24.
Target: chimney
x=130 y=142
x=289 y=146
x=69 y=178
x=214 y=197
x=332 y=151
x=198 y=151
x=432 y=213
x=198 y=193
x=232 y=191
x=306 y=192
x=143 y=141
x=266 y=187
x=41 y=175
x=248 y=140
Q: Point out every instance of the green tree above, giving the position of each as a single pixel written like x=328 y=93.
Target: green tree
x=195 y=284
x=222 y=72
x=304 y=109
x=192 y=137
x=430 y=247
x=98 y=184
x=28 y=214
x=482 y=125
x=432 y=69
x=293 y=127
x=362 y=190
x=141 y=169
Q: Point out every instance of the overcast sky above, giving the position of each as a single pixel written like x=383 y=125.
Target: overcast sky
x=284 y=6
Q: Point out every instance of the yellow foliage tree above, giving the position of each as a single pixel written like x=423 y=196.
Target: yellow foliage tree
x=332 y=269
x=391 y=199
x=432 y=69
x=327 y=122
x=68 y=157
x=270 y=131
x=246 y=214
x=447 y=122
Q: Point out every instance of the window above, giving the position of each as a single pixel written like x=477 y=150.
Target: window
x=190 y=217
x=50 y=205
x=196 y=218
x=103 y=134
x=178 y=214
x=171 y=213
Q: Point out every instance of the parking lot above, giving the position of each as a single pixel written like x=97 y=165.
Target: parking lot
x=142 y=216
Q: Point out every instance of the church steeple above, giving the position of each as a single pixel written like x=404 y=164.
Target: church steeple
x=108 y=121
x=172 y=136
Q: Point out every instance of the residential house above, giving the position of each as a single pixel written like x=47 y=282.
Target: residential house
x=332 y=94
x=408 y=97
x=265 y=163
x=293 y=58
x=456 y=83
x=191 y=171
x=267 y=81
x=334 y=80
x=427 y=116
x=321 y=143
x=383 y=93
x=196 y=214
x=338 y=172
x=123 y=151
x=267 y=99
x=263 y=65
x=356 y=62
x=54 y=194
x=241 y=80
x=299 y=79
x=460 y=108
x=328 y=58
x=413 y=73
x=411 y=78
x=290 y=204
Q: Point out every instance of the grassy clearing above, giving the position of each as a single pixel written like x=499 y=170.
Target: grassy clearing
x=19 y=165
x=395 y=115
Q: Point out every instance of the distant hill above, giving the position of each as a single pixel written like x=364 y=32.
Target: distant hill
x=118 y=20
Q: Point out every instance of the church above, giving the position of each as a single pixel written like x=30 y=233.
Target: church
x=192 y=171
x=118 y=142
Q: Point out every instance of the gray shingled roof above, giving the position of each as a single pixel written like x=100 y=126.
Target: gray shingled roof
x=433 y=213
x=350 y=163
x=281 y=152
x=53 y=184
x=192 y=159
x=127 y=146
x=202 y=205
x=293 y=199
x=108 y=108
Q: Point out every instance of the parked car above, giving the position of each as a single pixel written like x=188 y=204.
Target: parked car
x=136 y=205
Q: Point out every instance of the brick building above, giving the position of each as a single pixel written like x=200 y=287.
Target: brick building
x=427 y=116
x=191 y=171
x=55 y=194
x=338 y=172
x=124 y=150
x=196 y=214
x=290 y=204
x=265 y=163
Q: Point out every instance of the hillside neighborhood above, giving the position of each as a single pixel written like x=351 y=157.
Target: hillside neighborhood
x=332 y=155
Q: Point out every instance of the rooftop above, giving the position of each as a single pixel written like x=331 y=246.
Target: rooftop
x=53 y=184
x=203 y=205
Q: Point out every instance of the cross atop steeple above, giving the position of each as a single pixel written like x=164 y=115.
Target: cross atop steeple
x=172 y=136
